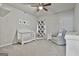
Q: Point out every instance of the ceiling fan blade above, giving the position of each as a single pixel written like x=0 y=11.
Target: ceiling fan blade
x=48 y=4
x=45 y=9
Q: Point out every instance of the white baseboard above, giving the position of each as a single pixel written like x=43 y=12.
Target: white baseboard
x=15 y=42
x=27 y=41
x=7 y=44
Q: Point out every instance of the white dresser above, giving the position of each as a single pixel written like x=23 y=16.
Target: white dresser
x=72 y=44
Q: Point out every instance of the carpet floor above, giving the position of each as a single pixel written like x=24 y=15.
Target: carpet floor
x=35 y=48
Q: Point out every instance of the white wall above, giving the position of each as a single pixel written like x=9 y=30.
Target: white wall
x=8 y=28
x=30 y=22
x=66 y=20
x=51 y=23
x=8 y=25
x=57 y=22
x=76 y=14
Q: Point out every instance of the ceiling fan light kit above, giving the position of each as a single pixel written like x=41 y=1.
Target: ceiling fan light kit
x=42 y=6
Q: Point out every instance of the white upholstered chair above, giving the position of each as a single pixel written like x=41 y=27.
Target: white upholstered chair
x=59 y=39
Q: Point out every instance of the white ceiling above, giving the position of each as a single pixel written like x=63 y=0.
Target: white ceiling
x=58 y=7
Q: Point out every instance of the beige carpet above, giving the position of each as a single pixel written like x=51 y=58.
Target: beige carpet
x=34 y=48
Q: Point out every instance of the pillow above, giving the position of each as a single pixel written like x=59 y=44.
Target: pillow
x=64 y=32
x=54 y=34
x=60 y=34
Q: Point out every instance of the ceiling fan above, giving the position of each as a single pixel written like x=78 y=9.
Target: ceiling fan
x=41 y=6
